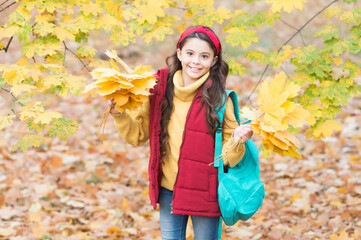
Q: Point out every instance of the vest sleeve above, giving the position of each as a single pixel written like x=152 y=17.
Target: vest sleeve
x=232 y=151
x=134 y=130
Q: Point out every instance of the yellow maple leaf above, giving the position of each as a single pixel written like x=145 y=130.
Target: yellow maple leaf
x=150 y=10
x=297 y=116
x=30 y=109
x=271 y=96
x=326 y=128
x=63 y=33
x=276 y=114
x=46 y=117
x=19 y=88
x=288 y=5
x=129 y=90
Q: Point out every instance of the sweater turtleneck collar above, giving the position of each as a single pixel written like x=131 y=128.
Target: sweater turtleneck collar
x=186 y=93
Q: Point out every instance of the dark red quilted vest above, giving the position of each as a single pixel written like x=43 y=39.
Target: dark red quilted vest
x=195 y=189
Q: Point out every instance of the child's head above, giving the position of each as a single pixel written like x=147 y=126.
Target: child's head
x=218 y=66
x=197 y=51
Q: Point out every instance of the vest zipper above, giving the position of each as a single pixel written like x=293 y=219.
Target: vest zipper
x=184 y=133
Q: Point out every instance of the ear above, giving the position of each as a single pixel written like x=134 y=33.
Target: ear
x=215 y=59
x=179 y=54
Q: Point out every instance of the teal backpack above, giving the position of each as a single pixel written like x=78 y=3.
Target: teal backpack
x=240 y=190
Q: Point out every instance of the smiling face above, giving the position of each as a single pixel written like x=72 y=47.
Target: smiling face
x=197 y=57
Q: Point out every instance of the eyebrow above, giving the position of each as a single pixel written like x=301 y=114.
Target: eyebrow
x=201 y=53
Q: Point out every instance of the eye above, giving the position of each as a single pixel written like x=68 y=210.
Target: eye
x=205 y=56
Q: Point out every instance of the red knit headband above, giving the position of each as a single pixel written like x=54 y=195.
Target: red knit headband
x=200 y=29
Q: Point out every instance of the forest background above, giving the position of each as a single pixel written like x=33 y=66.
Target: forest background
x=82 y=188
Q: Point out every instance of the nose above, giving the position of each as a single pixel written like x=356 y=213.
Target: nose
x=195 y=59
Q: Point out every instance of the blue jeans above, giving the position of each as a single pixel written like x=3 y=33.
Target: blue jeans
x=173 y=226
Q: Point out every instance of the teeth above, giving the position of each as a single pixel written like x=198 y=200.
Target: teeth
x=195 y=68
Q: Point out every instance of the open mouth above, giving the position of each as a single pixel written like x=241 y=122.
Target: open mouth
x=194 y=69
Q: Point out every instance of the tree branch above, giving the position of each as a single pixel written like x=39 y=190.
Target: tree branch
x=13 y=100
x=7 y=7
x=4 y=2
x=299 y=32
x=66 y=48
x=284 y=44
x=7 y=45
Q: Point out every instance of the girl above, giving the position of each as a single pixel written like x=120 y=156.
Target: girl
x=180 y=121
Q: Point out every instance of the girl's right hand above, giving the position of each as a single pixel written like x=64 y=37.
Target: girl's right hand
x=111 y=104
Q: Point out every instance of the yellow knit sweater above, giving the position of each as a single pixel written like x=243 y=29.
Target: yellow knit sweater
x=135 y=130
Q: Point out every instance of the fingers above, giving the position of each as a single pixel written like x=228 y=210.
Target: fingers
x=112 y=104
x=244 y=132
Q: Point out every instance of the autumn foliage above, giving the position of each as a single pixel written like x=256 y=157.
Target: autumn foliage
x=326 y=74
x=295 y=65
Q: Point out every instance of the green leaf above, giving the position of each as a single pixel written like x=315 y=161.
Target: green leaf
x=349 y=1
x=328 y=32
x=257 y=56
x=335 y=46
x=333 y=11
x=356 y=31
x=262 y=17
x=86 y=51
x=19 y=16
x=309 y=54
x=352 y=45
x=352 y=67
x=243 y=37
x=235 y=68
x=353 y=16
x=44 y=29
x=41 y=46
x=7 y=120
x=24 y=31
x=27 y=140
x=38 y=127
x=56 y=58
x=81 y=36
x=275 y=59
x=62 y=127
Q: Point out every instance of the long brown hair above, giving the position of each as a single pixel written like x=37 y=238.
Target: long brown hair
x=212 y=95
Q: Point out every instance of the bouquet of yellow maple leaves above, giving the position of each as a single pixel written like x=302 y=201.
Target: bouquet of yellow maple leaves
x=129 y=90
x=276 y=114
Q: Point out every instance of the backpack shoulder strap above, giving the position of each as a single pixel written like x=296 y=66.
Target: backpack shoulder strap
x=220 y=112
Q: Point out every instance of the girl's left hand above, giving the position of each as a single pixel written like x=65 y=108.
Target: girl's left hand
x=244 y=132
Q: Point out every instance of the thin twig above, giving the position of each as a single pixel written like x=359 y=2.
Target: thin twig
x=4 y=2
x=76 y=56
x=284 y=44
x=7 y=7
x=299 y=32
x=7 y=45
x=13 y=100
x=284 y=70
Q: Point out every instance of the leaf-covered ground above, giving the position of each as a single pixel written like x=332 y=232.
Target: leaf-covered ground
x=85 y=189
